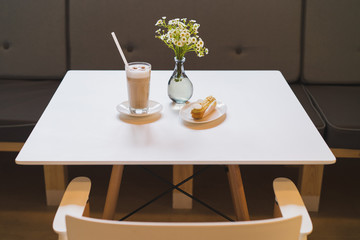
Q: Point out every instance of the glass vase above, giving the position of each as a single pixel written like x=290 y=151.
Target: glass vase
x=180 y=88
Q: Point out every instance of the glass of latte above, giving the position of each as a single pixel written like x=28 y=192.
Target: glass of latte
x=138 y=83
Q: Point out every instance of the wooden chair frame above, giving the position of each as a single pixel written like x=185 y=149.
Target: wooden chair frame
x=74 y=205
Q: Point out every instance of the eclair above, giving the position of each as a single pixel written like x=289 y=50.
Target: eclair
x=203 y=108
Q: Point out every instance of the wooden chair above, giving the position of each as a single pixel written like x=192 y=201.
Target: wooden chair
x=293 y=221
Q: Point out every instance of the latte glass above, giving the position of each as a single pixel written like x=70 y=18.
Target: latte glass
x=138 y=85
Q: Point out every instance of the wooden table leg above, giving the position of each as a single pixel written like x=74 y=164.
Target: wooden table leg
x=55 y=176
x=181 y=172
x=55 y=183
x=310 y=181
x=113 y=192
x=237 y=192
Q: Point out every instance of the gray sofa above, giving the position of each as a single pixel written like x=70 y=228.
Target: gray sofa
x=314 y=43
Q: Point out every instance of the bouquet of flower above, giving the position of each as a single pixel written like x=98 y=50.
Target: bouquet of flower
x=181 y=36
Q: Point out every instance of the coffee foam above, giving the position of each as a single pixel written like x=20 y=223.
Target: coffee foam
x=138 y=71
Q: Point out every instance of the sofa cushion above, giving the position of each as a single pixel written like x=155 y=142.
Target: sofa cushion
x=32 y=39
x=21 y=104
x=242 y=34
x=332 y=42
x=339 y=106
x=305 y=101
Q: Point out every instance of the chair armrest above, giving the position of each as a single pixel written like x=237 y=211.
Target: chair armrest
x=73 y=203
x=291 y=204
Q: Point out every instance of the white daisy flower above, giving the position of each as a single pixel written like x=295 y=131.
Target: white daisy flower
x=181 y=25
x=206 y=51
x=180 y=44
x=158 y=22
x=183 y=39
x=193 y=39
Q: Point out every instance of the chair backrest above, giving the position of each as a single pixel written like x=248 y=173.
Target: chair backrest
x=273 y=229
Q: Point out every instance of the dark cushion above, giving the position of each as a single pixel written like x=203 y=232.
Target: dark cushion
x=21 y=104
x=332 y=42
x=32 y=39
x=240 y=34
x=310 y=109
x=340 y=108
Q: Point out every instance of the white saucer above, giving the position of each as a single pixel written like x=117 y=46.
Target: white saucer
x=154 y=107
x=185 y=113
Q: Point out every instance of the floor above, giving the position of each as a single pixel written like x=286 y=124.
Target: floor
x=24 y=214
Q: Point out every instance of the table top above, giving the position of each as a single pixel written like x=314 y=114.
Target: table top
x=264 y=124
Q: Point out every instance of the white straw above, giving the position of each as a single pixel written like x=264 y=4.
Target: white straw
x=119 y=48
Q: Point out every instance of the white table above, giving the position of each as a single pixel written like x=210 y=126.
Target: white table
x=264 y=124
